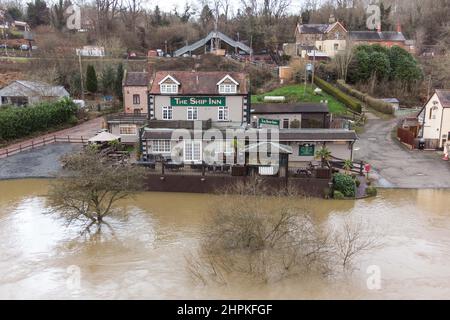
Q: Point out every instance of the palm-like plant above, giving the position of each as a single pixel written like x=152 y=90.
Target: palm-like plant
x=348 y=165
x=324 y=155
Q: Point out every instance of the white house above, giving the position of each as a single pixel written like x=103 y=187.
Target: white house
x=434 y=119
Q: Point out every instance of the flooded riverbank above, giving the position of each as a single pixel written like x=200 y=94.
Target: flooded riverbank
x=41 y=258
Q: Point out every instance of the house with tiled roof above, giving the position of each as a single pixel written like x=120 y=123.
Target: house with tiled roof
x=175 y=99
x=326 y=39
x=434 y=120
x=329 y=39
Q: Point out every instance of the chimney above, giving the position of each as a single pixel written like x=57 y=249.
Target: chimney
x=399 y=27
x=332 y=19
x=379 y=27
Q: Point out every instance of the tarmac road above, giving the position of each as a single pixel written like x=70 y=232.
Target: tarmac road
x=394 y=165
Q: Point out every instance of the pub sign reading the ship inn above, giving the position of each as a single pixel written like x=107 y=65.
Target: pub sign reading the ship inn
x=197 y=101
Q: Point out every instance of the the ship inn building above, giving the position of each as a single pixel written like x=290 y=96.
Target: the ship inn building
x=219 y=97
x=175 y=99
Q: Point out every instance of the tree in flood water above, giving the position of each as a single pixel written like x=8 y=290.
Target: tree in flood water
x=90 y=188
x=272 y=237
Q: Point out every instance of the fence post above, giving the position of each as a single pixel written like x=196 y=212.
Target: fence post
x=32 y=144
x=20 y=148
x=203 y=169
x=43 y=141
x=68 y=139
x=361 y=168
x=162 y=167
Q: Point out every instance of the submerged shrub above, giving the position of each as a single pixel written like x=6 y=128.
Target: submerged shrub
x=344 y=184
x=371 y=191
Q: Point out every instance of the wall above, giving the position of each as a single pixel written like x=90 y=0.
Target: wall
x=128 y=93
x=341 y=150
x=114 y=128
x=432 y=126
x=279 y=117
x=214 y=184
x=235 y=106
x=327 y=46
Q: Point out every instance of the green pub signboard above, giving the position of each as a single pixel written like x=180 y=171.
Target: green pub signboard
x=197 y=101
x=269 y=122
x=306 y=150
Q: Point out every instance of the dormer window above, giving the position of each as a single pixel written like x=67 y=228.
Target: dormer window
x=169 y=85
x=169 y=88
x=227 y=85
x=227 y=88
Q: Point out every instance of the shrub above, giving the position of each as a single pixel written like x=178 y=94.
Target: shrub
x=16 y=122
x=357 y=182
x=344 y=184
x=338 y=195
x=372 y=102
x=371 y=191
x=338 y=94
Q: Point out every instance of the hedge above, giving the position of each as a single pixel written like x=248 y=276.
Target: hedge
x=17 y=122
x=344 y=184
x=372 y=102
x=350 y=102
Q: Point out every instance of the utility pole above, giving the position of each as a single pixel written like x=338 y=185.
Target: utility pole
x=81 y=75
x=429 y=88
x=313 y=70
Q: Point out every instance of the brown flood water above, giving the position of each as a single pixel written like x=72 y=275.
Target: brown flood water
x=147 y=258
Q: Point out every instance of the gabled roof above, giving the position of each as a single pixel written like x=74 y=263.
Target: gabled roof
x=29 y=88
x=136 y=79
x=377 y=36
x=444 y=97
x=318 y=28
x=229 y=78
x=169 y=77
x=312 y=28
x=199 y=82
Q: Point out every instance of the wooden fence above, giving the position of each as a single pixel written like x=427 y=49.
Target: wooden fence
x=406 y=136
x=6 y=152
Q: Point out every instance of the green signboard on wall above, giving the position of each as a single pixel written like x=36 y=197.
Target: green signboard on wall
x=306 y=150
x=270 y=122
x=197 y=101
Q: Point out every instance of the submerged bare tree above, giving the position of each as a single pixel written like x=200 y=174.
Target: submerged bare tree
x=269 y=238
x=90 y=188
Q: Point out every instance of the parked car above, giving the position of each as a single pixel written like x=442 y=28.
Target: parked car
x=24 y=47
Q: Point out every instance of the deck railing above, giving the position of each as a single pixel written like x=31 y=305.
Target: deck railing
x=35 y=143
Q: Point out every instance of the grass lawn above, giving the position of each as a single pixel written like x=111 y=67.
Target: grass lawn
x=296 y=93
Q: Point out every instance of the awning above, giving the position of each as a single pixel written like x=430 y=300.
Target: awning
x=104 y=137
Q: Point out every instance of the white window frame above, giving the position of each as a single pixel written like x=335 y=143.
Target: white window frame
x=161 y=146
x=128 y=126
x=192 y=113
x=169 y=111
x=190 y=148
x=227 y=88
x=138 y=96
x=168 y=88
x=224 y=112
